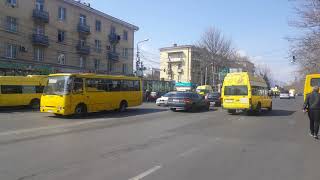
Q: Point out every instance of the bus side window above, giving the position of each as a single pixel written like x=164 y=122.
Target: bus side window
x=11 y=89
x=77 y=85
x=39 y=89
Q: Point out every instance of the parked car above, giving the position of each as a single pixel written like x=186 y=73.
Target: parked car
x=214 y=98
x=188 y=101
x=284 y=95
x=163 y=100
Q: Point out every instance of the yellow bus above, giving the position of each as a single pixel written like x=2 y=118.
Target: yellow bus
x=22 y=90
x=78 y=94
x=243 y=91
x=311 y=80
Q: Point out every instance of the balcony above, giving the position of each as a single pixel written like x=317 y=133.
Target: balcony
x=113 y=56
x=83 y=28
x=83 y=49
x=180 y=70
x=175 y=60
x=114 y=38
x=40 y=15
x=40 y=40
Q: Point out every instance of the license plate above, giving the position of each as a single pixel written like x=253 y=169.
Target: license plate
x=50 y=111
x=212 y=103
x=176 y=100
x=228 y=101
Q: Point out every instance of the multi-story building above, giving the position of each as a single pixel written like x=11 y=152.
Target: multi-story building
x=181 y=64
x=45 y=36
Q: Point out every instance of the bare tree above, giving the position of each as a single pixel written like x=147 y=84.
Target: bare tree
x=305 y=49
x=214 y=50
x=265 y=72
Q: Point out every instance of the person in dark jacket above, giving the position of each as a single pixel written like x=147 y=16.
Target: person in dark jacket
x=312 y=106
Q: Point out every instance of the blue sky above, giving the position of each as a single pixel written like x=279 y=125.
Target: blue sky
x=257 y=27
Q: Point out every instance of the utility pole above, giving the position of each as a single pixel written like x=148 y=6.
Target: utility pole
x=206 y=76
x=139 y=65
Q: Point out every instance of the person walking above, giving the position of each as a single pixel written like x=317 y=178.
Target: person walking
x=312 y=106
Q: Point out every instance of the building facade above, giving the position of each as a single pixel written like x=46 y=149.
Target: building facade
x=47 y=36
x=180 y=64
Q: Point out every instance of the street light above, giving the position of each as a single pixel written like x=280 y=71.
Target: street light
x=139 y=68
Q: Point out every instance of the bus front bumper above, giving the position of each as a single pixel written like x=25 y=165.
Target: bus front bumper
x=54 y=110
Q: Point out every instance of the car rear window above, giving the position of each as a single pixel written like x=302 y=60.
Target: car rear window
x=183 y=95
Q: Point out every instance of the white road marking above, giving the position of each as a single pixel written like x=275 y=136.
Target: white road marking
x=189 y=152
x=146 y=173
x=17 y=132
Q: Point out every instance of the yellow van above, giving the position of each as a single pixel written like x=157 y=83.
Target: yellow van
x=22 y=90
x=243 y=91
x=311 y=80
x=203 y=90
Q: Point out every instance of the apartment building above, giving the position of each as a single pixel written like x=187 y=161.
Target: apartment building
x=181 y=64
x=46 y=36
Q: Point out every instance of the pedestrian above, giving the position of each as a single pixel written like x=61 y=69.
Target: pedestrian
x=147 y=95
x=312 y=106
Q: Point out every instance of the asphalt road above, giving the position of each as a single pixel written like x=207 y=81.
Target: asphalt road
x=153 y=143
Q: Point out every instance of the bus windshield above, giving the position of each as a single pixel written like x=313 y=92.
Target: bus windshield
x=236 y=90
x=58 y=85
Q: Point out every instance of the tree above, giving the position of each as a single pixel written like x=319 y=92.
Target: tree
x=265 y=72
x=306 y=48
x=214 y=50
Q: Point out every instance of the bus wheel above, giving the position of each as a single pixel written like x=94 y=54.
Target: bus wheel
x=81 y=110
x=231 y=111
x=270 y=108
x=258 y=108
x=123 y=106
x=35 y=104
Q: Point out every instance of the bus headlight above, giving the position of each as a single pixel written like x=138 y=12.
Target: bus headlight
x=60 y=108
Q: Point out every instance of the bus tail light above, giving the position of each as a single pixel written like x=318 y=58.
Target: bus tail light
x=250 y=101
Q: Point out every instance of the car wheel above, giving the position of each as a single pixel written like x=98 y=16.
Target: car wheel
x=173 y=109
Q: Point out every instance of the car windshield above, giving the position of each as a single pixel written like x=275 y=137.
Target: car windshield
x=182 y=94
x=168 y=95
x=58 y=85
x=236 y=90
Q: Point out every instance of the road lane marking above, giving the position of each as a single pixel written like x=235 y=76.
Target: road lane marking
x=146 y=173
x=17 y=132
x=189 y=152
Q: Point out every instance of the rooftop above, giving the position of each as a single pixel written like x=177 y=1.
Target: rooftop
x=87 y=7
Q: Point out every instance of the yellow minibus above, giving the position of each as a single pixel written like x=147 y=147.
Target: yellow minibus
x=311 y=80
x=78 y=94
x=243 y=91
x=22 y=90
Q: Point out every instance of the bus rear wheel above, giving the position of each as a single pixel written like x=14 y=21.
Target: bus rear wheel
x=35 y=104
x=123 y=106
x=80 y=110
x=231 y=111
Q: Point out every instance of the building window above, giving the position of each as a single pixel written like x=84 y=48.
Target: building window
x=96 y=64
x=38 y=54
x=97 y=46
x=11 y=51
x=125 y=35
x=39 y=5
x=62 y=59
x=98 y=26
x=124 y=68
x=82 y=42
x=61 y=36
x=83 y=19
x=12 y=2
x=12 y=24
x=82 y=62
x=125 y=52
x=62 y=13
x=113 y=30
